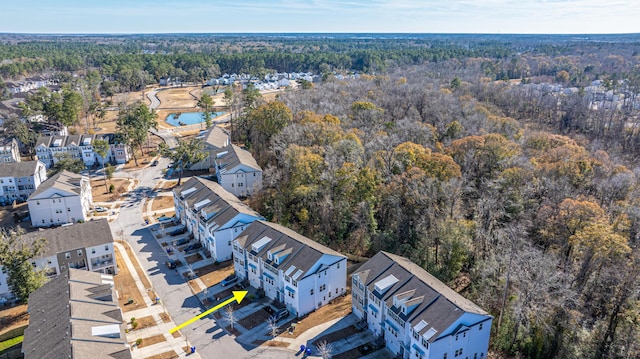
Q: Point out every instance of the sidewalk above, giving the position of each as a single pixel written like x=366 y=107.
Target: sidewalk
x=161 y=328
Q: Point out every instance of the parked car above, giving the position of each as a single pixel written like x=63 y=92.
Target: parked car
x=171 y=264
x=178 y=231
x=191 y=247
x=279 y=314
x=181 y=241
x=99 y=209
x=166 y=219
x=154 y=163
x=229 y=280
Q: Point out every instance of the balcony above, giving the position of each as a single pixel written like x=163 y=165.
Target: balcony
x=102 y=264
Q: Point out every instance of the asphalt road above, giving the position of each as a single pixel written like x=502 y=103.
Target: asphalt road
x=210 y=339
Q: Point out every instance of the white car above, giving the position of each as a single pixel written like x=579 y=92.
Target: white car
x=100 y=209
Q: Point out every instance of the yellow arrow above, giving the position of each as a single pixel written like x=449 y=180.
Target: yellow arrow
x=237 y=296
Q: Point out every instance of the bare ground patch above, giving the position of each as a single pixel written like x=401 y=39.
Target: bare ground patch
x=159 y=338
x=339 y=308
x=126 y=287
x=161 y=202
x=212 y=274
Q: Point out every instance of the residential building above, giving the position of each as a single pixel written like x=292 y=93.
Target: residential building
x=215 y=140
x=76 y=316
x=9 y=150
x=64 y=198
x=213 y=215
x=18 y=180
x=291 y=268
x=80 y=147
x=87 y=246
x=238 y=172
x=417 y=315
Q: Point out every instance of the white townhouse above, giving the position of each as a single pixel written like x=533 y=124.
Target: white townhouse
x=291 y=268
x=238 y=172
x=9 y=150
x=215 y=139
x=213 y=215
x=87 y=246
x=64 y=198
x=80 y=147
x=418 y=316
x=18 y=180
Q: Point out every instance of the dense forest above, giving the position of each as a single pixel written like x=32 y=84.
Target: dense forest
x=488 y=160
x=525 y=200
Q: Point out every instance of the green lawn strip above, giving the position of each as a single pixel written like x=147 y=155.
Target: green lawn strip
x=10 y=342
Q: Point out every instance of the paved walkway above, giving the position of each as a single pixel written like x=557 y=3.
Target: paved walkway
x=154 y=310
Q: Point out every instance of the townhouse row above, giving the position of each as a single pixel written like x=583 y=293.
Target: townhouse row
x=417 y=315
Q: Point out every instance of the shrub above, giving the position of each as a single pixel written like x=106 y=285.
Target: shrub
x=111 y=188
x=138 y=341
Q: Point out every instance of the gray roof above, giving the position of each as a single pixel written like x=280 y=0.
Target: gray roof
x=71 y=237
x=435 y=303
x=235 y=156
x=217 y=137
x=301 y=252
x=65 y=316
x=63 y=180
x=224 y=205
x=18 y=169
x=74 y=140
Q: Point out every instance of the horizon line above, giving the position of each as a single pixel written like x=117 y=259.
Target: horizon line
x=309 y=33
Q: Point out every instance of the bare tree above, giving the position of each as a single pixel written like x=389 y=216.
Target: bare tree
x=324 y=349
x=230 y=315
x=272 y=324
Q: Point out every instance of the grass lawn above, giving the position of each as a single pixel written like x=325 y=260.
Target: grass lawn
x=11 y=342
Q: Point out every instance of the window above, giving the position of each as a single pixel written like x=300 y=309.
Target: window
x=294 y=283
x=79 y=252
x=43 y=221
x=106 y=248
x=336 y=290
x=323 y=287
x=68 y=209
x=480 y=327
x=67 y=255
x=38 y=203
x=311 y=292
x=444 y=356
x=456 y=337
x=291 y=294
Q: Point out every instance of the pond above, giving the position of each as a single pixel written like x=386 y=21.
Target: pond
x=189 y=118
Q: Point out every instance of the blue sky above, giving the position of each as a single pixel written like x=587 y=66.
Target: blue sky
x=419 y=16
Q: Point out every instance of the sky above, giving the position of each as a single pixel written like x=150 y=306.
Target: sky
x=379 y=16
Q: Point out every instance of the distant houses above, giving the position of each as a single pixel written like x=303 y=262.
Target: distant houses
x=80 y=147
x=18 y=180
x=9 y=150
x=235 y=168
x=64 y=198
x=238 y=172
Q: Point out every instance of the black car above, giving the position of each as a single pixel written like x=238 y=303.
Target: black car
x=154 y=163
x=171 y=264
x=279 y=314
x=181 y=241
x=179 y=231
